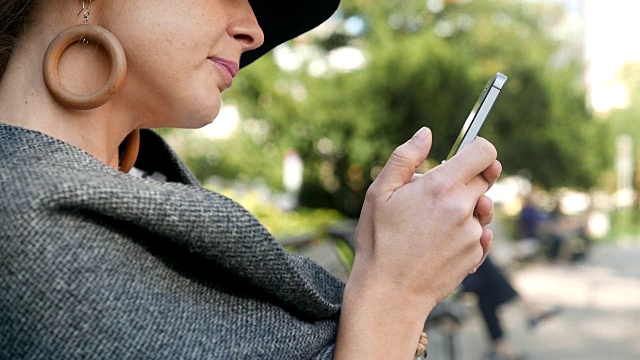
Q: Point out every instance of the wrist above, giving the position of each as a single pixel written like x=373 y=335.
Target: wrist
x=377 y=323
x=384 y=305
x=389 y=291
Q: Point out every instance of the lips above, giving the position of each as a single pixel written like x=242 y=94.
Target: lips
x=229 y=68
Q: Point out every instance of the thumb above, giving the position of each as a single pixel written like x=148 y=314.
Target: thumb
x=403 y=162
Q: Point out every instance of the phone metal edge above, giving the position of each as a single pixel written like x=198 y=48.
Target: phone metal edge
x=499 y=80
x=476 y=118
x=481 y=116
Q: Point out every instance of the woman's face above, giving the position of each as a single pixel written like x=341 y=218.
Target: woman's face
x=181 y=55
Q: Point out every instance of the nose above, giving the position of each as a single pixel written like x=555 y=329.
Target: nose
x=244 y=27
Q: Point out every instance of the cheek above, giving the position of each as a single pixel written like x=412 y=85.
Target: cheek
x=169 y=80
x=199 y=99
x=174 y=92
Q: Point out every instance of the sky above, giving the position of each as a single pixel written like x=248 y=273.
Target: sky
x=611 y=29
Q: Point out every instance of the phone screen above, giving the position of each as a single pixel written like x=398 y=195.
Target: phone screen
x=478 y=114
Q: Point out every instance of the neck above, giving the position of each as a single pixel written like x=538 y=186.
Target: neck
x=25 y=100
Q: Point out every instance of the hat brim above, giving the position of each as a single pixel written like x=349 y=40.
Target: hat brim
x=282 y=20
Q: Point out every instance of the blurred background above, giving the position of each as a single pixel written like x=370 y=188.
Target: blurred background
x=305 y=130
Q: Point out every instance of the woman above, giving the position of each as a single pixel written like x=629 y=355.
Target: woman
x=98 y=263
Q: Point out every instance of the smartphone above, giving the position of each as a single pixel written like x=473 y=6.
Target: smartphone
x=478 y=113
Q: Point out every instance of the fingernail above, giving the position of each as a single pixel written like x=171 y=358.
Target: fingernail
x=422 y=134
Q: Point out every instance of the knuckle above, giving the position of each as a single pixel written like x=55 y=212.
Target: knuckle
x=457 y=207
x=498 y=166
x=474 y=230
x=487 y=150
x=456 y=211
x=374 y=191
x=477 y=234
x=478 y=254
x=442 y=188
x=450 y=199
x=400 y=157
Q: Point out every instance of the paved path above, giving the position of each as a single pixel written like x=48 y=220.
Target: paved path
x=600 y=297
x=601 y=320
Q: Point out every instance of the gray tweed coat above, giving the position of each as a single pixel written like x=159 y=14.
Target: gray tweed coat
x=95 y=263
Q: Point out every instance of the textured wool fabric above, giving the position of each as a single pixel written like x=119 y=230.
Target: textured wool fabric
x=95 y=263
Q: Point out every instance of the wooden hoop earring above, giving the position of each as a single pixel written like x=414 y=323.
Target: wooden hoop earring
x=58 y=46
x=130 y=153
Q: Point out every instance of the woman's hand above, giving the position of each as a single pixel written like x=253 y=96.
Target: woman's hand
x=417 y=238
x=421 y=236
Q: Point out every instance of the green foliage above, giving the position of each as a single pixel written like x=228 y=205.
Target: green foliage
x=285 y=223
x=425 y=68
x=625 y=121
x=346 y=253
x=625 y=224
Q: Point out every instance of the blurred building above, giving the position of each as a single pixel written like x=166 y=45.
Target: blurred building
x=604 y=32
x=611 y=29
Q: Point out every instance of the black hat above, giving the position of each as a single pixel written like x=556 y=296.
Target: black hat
x=282 y=20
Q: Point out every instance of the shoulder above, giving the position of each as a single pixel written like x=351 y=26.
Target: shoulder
x=37 y=170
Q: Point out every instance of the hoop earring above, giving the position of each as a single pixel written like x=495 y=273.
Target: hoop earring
x=130 y=153
x=83 y=33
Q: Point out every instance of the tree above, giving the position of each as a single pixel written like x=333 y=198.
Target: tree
x=426 y=66
x=624 y=121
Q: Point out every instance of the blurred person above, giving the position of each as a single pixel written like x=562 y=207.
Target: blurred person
x=530 y=219
x=99 y=263
x=562 y=233
x=530 y=223
x=493 y=290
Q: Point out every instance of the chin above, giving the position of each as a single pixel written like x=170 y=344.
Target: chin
x=201 y=119
x=195 y=123
x=205 y=123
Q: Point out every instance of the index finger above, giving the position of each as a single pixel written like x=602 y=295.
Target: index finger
x=472 y=160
